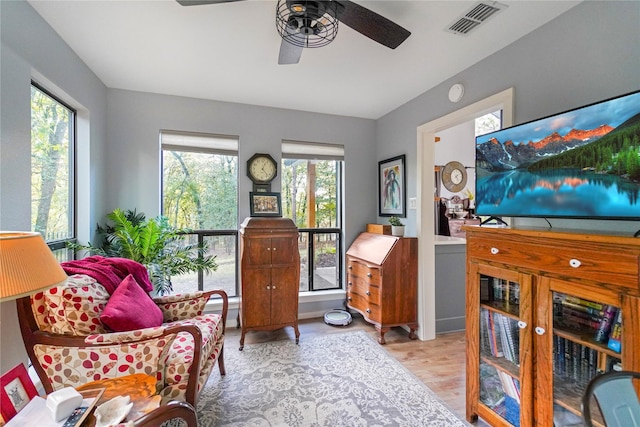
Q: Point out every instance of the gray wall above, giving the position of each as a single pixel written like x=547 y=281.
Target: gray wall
x=135 y=119
x=30 y=49
x=590 y=53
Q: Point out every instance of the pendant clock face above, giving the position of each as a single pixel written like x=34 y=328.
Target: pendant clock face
x=262 y=168
x=454 y=176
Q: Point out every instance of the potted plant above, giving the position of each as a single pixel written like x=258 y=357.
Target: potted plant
x=154 y=243
x=397 y=227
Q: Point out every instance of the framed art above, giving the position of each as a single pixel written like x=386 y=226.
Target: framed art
x=392 y=183
x=265 y=204
x=16 y=391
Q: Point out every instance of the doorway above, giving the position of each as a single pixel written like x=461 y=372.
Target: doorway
x=425 y=221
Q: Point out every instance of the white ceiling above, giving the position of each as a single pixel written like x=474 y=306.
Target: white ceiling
x=229 y=51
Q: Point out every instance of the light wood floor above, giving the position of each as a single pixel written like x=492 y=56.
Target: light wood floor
x=439 y=363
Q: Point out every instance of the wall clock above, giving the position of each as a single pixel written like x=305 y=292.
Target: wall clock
x=454 y=176
x=262 y=169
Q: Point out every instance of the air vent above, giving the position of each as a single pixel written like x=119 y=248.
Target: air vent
x=476 y=15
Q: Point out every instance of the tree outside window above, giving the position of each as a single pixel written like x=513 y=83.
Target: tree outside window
x=200 y=192
x=52 y=180
x=311 y=197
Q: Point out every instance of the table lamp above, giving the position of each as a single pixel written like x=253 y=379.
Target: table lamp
x=27 y=265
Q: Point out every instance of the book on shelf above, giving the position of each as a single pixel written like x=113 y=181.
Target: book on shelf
x=505 y=291
x=485 y=340
x=573 y=360
x=615 y=337
x=602 y=333
x=511 y=341
x=581 y=308
x=583 y=302
x=511 y=387
x=495 y=339
x=500 y=336
x=577 y=313
x=491 y=392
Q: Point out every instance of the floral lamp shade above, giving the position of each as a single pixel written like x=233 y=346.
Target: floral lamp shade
x=27 y=265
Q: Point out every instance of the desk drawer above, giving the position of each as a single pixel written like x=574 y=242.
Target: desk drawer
x=562 y=259
x=359 y=269
x=361 y=287
x=364 y=306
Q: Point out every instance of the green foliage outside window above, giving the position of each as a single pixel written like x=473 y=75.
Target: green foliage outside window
x=200 y=190
x=296 y=188
x=51 y=176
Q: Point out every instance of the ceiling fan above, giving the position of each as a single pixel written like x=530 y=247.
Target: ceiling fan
x=314 y=23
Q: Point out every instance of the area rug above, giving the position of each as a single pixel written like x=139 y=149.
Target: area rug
x=344 y=379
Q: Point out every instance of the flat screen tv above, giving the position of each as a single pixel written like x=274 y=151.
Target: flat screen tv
x=583 y=163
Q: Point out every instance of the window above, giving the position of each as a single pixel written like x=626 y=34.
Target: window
x=311 y=197
x=488 y=123
x=52 y=171
x=200 y=192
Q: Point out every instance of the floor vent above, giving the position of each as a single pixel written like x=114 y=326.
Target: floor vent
x=476 y=15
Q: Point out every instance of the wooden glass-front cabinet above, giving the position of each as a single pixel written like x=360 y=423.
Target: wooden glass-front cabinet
x=546 y=312
x=269 y=274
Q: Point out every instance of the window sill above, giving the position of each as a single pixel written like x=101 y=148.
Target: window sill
x=304 y=297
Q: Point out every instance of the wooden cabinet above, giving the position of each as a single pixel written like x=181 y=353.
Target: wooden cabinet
x=540 y=310
x=382 y=281
x=269 y=274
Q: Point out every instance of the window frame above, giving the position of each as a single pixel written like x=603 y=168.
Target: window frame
x=59 y=246
x=300 y=150
x=203 y=148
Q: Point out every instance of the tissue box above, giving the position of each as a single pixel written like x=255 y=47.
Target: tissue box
x=61 y=403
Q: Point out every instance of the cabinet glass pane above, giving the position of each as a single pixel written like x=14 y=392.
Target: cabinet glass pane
x=586 y=341
x=500 y=347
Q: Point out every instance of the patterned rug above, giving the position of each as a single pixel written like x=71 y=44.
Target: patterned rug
x=344 y=379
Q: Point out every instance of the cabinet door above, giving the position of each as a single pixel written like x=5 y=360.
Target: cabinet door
x=499 y=359
x=283 y=251
x=284 y=295
x=258 y=251
x=256 y=297
x=581 y=335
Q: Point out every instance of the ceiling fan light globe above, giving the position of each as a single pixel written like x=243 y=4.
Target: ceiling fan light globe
x=297 y=8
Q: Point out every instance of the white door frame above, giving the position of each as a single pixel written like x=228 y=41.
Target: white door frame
x=425 y=221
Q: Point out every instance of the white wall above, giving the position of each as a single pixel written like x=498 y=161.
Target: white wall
x=457 y=144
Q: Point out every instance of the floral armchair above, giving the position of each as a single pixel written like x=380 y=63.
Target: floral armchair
x=69 y=345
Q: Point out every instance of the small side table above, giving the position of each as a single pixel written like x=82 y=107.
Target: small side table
x=141 y=389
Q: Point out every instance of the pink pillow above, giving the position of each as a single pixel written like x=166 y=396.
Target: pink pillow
x=130 y=308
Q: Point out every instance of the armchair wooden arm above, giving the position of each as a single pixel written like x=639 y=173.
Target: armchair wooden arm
x=171 y=411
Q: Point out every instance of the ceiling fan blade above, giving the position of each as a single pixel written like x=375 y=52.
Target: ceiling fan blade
x=370 y=24
x=289 y=53
x=201 y=2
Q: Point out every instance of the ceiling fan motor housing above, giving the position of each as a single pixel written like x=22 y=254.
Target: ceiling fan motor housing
x=307 y=23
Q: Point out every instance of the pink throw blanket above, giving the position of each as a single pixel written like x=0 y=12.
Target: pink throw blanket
x=109 y=272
